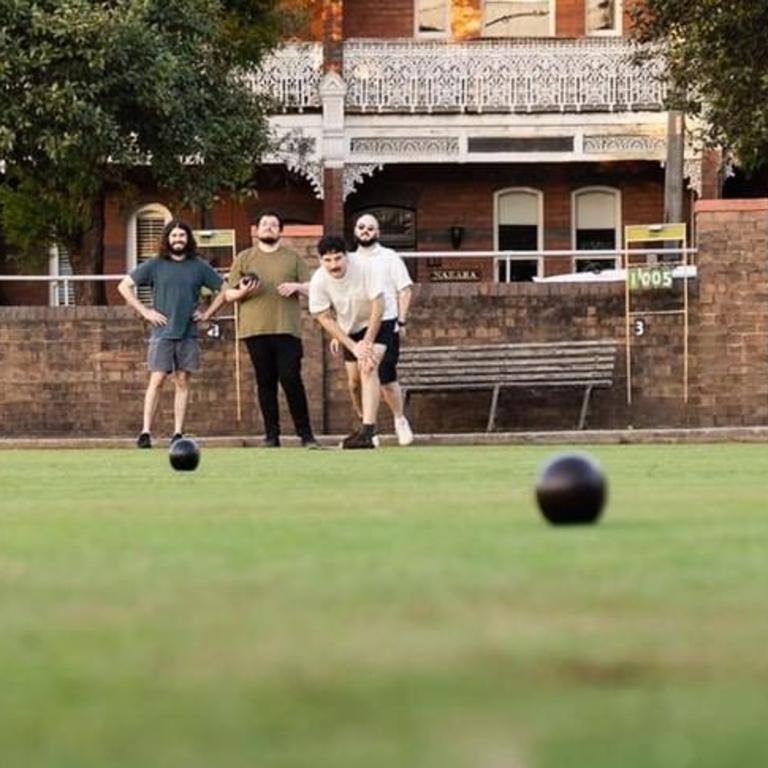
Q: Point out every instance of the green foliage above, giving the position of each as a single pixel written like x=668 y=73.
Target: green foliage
x=93 y=90
x=717 y=65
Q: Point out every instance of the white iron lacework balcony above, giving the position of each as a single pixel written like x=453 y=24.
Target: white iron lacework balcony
x=585 y=75
x=290 y=76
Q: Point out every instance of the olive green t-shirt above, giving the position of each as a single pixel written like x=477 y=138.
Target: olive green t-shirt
x=267 y=311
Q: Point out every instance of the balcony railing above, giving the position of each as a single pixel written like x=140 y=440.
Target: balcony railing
x=500 y=76
x=290 y=76
x=594 y=75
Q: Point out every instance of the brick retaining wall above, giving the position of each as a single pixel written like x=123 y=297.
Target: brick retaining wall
x=80 y=371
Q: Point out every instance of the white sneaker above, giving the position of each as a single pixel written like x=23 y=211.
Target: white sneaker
x=403 y=430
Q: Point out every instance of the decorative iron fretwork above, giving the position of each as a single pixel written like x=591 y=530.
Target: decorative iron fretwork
x=500 y=76
x=354 y=173
x=406 y=147
x=290 y=76
x=624 y=143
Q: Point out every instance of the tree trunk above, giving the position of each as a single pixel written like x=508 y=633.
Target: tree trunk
x=87 y=255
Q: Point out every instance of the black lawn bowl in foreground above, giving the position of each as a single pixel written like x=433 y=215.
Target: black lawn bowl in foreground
x=571 y=489
x=184 y=455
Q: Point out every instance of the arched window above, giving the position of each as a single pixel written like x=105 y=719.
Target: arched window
x=145 y=227
x=596 y=225
x=518 y=214
x=518 y=18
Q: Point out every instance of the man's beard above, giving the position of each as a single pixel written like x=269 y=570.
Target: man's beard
x=268 y=240
x=178 y=249
x=367 y=243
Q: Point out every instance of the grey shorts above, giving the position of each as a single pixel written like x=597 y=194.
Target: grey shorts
x=169 y=355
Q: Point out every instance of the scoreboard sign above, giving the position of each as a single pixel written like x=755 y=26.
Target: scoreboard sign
x=655 y=278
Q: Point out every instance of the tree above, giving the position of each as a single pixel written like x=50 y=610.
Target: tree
x=99 y=93
x=716 y=66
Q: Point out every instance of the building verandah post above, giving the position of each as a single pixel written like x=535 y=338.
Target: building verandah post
x=332 y=93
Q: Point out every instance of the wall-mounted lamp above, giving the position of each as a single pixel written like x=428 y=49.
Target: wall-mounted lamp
x=457 y=235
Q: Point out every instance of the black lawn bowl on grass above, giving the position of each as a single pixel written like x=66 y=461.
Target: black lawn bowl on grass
x=571 y=489
x=184 y=455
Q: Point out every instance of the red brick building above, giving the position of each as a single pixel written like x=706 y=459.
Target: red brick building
x=464 y=125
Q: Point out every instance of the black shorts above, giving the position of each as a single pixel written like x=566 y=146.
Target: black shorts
x=389 y=337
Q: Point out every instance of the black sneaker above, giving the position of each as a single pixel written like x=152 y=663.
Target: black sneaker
x=358 y=440
x=174 y=437
x=271 y=442
x=311 y=443
x=144 y=440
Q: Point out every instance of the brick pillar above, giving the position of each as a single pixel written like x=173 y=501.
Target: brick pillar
x=333 y=202
x=333 y=91
x=729 y=321
x=333 y=35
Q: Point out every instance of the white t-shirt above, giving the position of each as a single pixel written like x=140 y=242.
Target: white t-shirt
x=396 y=275
x=350 y=296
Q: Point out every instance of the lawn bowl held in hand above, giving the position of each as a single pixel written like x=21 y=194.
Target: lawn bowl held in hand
x=571 y=489
x=184 y=455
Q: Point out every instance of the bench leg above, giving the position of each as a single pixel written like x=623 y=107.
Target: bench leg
x=492 y=414
x=584 y=407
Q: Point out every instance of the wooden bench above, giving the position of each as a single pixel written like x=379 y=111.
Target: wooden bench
x=587 y=364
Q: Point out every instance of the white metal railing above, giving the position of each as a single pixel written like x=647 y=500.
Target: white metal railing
x=500 y=76
x=290 y=76
x=503 y=260
x=677 y=256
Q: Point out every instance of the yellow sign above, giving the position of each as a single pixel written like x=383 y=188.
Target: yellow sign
x=215 y=238
x=650 y=232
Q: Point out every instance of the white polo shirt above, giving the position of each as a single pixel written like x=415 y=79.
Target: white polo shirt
x=351 y=296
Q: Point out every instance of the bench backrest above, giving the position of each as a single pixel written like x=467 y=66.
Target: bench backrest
x=479 y=366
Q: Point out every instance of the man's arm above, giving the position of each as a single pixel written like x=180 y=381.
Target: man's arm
x=288 y=289
x=333 y=329
x=126 y=289
x=403 y=304
x=218 y=302
x=244 y=289
x=374 y=321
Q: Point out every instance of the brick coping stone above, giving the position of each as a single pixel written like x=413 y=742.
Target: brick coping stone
x=585 y=437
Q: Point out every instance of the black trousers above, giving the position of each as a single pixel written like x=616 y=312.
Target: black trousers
x=277 y=358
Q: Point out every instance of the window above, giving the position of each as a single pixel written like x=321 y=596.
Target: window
x=518 y=214
x=144 y=230
x=518 y=18
x=60 y=263
x=603 y=17
x=432 y=18
x=596 y=215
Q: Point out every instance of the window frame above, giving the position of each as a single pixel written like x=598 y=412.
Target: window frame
x=616 y=193
x=57 y=296
x=131 y=242
x=539 y=195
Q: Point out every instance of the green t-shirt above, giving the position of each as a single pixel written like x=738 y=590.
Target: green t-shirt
x=267 y=312
x=176 y=291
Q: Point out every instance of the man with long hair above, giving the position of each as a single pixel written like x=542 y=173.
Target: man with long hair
x=175 y=276
x=268 y=279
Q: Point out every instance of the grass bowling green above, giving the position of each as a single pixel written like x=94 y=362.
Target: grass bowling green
x=381 y=609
